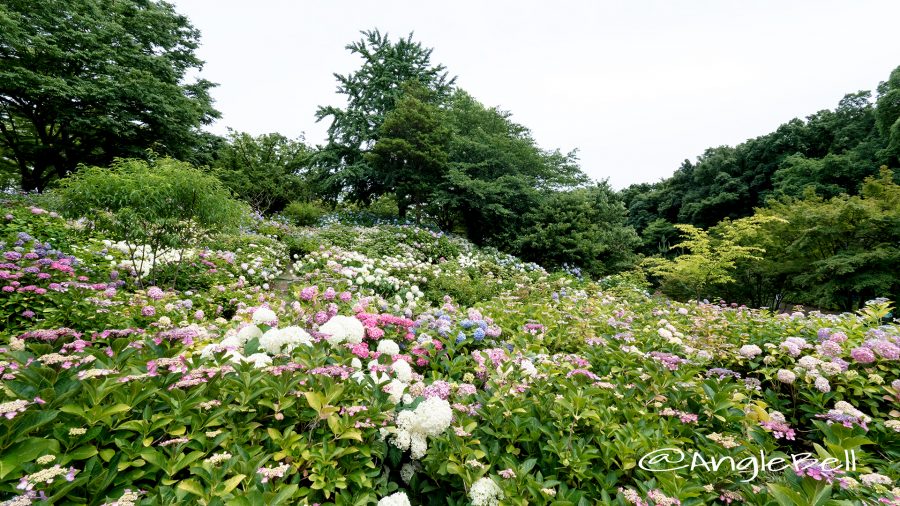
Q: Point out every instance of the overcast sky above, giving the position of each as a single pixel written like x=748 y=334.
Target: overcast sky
x=636 y=86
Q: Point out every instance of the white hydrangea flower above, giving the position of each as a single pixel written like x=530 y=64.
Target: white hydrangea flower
x=284 y=340
x=341 y=329
x=528 y=368
x=395 y=390
x=388 y=347
x=234 y=356
x=418 y=445
x=395 y=499
x=431 y=417
x=809 y=362
x=233 y=342
x=209 y=350
x=247 y=333
x=873 y=479
x=485 y=492
x=403 y=370
x=259 y=360
x=750 y=350
x=264 y=316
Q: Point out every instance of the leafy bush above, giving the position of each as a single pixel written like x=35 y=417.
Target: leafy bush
x=159 y=208
x=263 y=171
x=304 y=214
x=585 y=228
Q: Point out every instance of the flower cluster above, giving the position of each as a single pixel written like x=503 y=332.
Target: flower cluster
x=430 y=418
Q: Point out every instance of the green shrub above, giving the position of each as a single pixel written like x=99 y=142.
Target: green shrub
x=299 y=246
x=161 y=207
x=304 y=214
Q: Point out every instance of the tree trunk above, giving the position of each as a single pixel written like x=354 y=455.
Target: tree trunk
x=32 y=180
x=474 y=230
x=402 y=206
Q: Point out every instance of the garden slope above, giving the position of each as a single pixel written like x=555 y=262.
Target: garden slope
x=405 y=362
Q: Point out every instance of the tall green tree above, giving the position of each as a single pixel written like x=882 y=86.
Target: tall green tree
x=831 y=151
x=584 y=228
x=888 y=107
x=497 y=172
x=837 y=252
x=266 y=171
x=372 y=92
x=410 y=156
x=709 y=258
x=84 y=81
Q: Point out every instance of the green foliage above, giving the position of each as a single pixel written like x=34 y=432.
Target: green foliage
x=840 y=251
x=264 y=171
x=455 y=162
x=708 y=260
x=582 y=228
x=888 y=115
x=410 y=156
x=84 y=81
x=497 y=173
x=831 y=151
x=157 y=208
x=556 y=388
x=372 y=92
x=304 y=214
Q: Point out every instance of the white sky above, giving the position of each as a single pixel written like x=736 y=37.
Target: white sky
x=637 y=86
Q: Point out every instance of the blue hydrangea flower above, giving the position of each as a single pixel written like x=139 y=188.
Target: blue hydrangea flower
x=467 y=323
x=482 y=324
x=460 y=337
x=479 y=334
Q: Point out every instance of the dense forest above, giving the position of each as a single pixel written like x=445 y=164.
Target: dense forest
x=409 y=144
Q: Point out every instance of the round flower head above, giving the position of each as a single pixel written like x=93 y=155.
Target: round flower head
x=388 y=347
x=750 y=350
x=259 y=360
x=403 y=370
x=862 y=355
x=341 y=329
x=528 y=368
x=395 y=499
x=247 y=333
x=485 y=492
x=786 y=376
x=822 y=384
x=395 y=390
x=264 y=316
x=284 y=340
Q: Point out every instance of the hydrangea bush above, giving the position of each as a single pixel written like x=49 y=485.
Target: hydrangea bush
x=402 y=366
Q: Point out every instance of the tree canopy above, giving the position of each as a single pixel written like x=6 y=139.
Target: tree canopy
x=372 y=92
x=265 y=170
x=831 y=151
x=85 y=81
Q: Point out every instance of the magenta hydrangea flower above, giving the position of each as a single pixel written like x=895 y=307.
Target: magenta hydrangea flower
x=779 y=429
x=309 y=293
x=862 y=355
